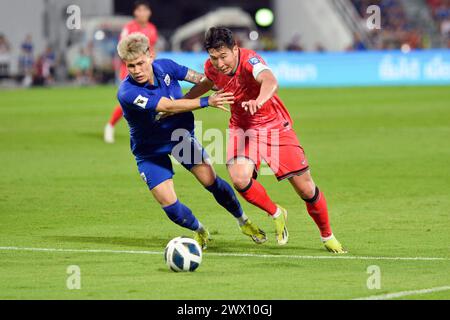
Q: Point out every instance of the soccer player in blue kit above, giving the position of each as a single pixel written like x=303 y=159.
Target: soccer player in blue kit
x=153 y=105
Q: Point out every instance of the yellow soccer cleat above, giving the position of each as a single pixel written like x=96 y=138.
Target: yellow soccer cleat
x=202 y=238
x=250 y=229
x=334 y=246
x=281 y=231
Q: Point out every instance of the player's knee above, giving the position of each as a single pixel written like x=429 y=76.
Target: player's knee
x=205 y=174
x=240 y=182
x=240 y=177
x=166 y=200
x=304 y=186
x=307 y=192
x=208 y=181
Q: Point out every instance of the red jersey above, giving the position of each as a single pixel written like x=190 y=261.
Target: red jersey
x=244 y=86
x=133 y=27
x=149 y=30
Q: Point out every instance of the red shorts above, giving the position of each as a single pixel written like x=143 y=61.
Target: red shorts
x=280 y=149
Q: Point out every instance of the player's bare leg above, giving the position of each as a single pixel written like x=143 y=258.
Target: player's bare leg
x=224 y=195
x=180 y=214
x=241 y=173
x=204 y=173
x=317 y=208
x=164 y=193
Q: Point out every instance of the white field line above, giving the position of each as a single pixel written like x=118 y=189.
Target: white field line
x=217 y=254
x=404 y=294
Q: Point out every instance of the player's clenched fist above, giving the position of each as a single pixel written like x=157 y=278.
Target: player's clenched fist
x=220 y=99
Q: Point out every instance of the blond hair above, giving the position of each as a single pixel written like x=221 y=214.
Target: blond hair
x=133 y=46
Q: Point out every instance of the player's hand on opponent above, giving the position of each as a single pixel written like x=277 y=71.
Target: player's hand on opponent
x=251 y=106
x=220 y=99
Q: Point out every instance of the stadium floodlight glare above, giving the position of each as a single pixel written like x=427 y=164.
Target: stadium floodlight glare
x=264 y=17
x=254 y=35
x=406 y=48
x=99 y=35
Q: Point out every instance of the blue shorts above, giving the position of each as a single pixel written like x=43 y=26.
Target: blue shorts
x=156 y=170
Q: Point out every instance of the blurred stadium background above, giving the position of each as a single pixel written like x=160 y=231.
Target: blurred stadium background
x=411 y=47
x=379 y=153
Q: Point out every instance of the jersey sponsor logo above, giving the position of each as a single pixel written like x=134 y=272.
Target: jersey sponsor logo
x=254 y=61
x=167 y=80
x=141 y=101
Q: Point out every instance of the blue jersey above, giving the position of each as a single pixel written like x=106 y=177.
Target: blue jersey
x=149 y=136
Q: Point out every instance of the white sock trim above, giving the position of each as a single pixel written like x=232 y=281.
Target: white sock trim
x=277 y=213
x=327 y=238
x=242 y=219
x=201 y=228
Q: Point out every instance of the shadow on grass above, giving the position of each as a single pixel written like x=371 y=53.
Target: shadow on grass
x=148 y=243
x=216 y=246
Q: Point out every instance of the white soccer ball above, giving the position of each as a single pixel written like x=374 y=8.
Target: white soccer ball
x=183 y=254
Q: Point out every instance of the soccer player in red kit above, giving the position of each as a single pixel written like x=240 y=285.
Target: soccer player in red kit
x=261 y=128
x=142 y=13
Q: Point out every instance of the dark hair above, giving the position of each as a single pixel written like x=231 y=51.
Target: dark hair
x=218 y=37
x=139 y=3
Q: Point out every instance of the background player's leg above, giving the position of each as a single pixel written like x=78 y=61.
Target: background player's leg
x=316 y=204
x=241 y=173
x=109 y=128
x=180 y=214
x=116 y=115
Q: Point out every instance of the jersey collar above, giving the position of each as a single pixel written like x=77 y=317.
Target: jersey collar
x=237 y=65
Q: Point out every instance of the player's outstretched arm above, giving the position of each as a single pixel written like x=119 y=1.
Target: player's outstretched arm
x=218 y=100
x=202 y=84
x=269 y=86
x=194 y=77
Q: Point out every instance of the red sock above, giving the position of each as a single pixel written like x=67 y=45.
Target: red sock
x=317 y=209
x=257 y=195
x=116 y=116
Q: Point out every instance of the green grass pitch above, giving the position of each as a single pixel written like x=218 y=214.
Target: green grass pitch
x=381 y=156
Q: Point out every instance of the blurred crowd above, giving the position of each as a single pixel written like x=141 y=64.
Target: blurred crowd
x=32 y=69
x=42 y=68
x=5 y=56
x=440 y=10
x=397 y=31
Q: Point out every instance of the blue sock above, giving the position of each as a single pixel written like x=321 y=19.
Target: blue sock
x=182 y=216
x=225 y=196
